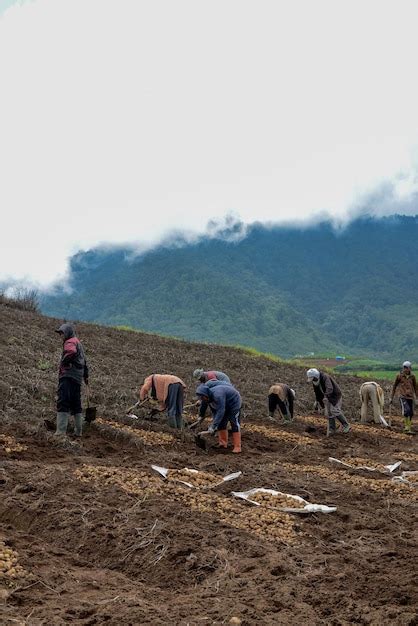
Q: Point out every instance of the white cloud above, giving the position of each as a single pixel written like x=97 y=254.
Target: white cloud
x=120 y=120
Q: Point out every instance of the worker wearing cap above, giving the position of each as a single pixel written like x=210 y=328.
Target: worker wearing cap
x=72 y=371
x=225 y=403
x=281 y=397
x=203 y=376
x=329 y=396
x=406 y=386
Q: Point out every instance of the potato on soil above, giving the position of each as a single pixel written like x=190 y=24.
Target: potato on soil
x=277 y=501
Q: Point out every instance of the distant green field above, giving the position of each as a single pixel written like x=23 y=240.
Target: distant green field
x=374 y=374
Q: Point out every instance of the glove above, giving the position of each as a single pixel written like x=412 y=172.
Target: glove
x=316 y=405
x=212 y=429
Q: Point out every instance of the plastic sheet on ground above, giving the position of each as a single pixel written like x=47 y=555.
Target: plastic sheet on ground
x=388 y=468
x=308 y=507
x=163 y=471
x=411 y=478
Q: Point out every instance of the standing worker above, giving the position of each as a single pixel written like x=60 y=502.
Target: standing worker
x=282 y=397
x=169 y=391
x=406 y=386
x=225 y=403
x=72 y=371
x=372 y=391
x=328 y=394
x=203 y=376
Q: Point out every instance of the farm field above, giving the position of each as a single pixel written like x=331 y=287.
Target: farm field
x=91 y=534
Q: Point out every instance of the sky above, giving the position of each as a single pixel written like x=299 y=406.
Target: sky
x=121 y=120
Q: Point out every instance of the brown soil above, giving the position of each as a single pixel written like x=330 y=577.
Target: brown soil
x=103 y=540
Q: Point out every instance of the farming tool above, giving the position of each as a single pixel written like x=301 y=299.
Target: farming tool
x=390 y=415
x=91 y=411
x=137 y=404
x=200 y=440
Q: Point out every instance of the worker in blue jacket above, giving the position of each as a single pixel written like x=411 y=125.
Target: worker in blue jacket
x=225 y=403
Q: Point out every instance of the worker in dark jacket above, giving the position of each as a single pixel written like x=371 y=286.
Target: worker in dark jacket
x=72 y=371
x=406 y=386
x=281 y=397
x=329 y=396
x=225 y=403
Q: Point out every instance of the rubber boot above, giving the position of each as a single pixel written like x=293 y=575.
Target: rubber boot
x=343 y=421
x=223 y=438
x=407 y=425
x=287 y=419
x=62 y=423
x=236 y=438
x=78 y=424
x=331 y=430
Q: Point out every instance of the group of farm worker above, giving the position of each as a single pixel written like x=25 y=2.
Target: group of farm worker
x=216 y=392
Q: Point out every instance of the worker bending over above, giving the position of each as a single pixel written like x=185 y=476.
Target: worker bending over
x=406 y=386
x=328 y=395
x=374 y=393
x=169 y=391
x=281 y=397
x=203 y=376
x=225 y=403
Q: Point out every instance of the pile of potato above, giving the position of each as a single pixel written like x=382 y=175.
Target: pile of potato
x=199 y=480
x=377 y=431
x=131 y=481
x=270 y=525
x=365 y=484
x=276 y=501
x=406 y=456
x=11 y=445
x=9 y=568
x=148 y=437
x=278 y=435
x=357 y=462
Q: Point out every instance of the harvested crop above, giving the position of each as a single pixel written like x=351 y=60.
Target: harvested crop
x=271 y=525
x=278 y=435
x=358 y=462
x=365 y=484
x=377 y=431
x=197 y=479
x=9 y=444
x=131 y=481
x=406 y=456
x=277 y=501
x=147 y=437
x=9 y=567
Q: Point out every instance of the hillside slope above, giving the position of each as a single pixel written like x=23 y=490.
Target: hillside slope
x=102 y=539
x=282 y=290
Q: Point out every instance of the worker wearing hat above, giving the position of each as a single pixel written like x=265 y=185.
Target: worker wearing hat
x=328 y=394
x=406 y=386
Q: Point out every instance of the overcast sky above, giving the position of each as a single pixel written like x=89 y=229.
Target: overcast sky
x=123 y=119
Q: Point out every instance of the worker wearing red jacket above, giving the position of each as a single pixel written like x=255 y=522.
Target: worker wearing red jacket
x=73 y=370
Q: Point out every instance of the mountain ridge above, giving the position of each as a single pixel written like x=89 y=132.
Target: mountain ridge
x=284 y=290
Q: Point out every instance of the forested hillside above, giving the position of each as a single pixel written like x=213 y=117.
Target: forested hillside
x=285 y=290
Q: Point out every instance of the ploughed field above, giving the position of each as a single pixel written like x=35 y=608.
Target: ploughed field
x=91 y=534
